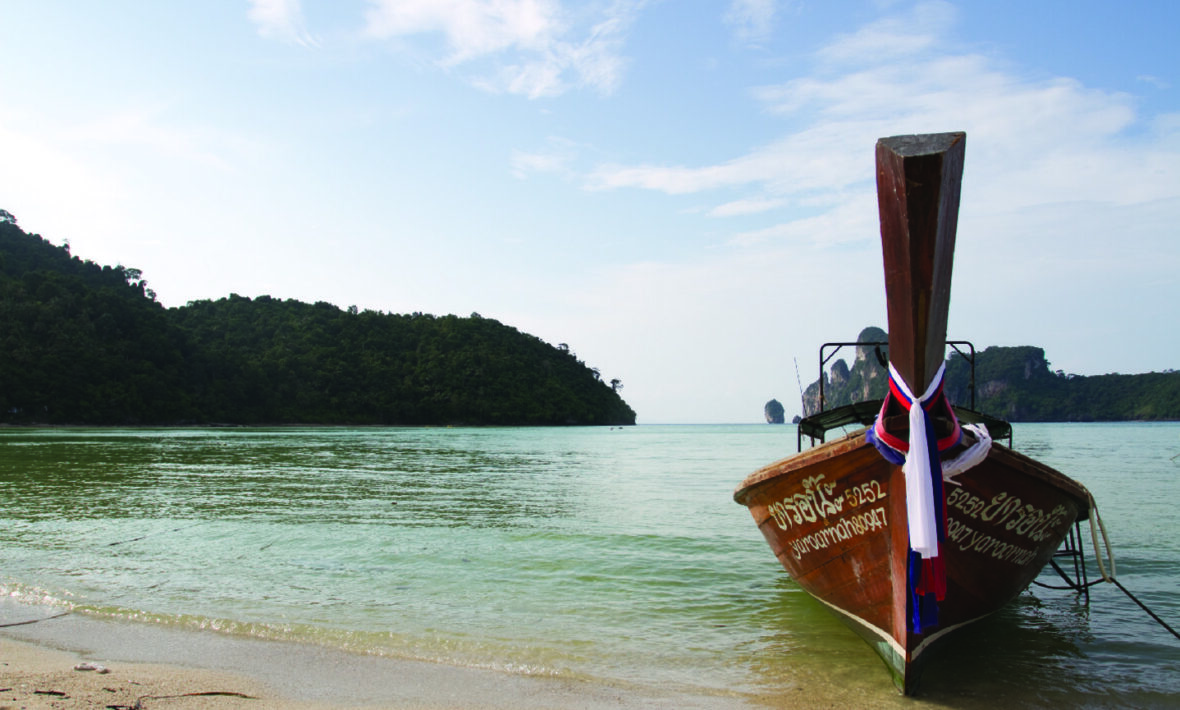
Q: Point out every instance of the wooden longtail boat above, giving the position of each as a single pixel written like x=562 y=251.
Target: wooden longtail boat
x=916 y=525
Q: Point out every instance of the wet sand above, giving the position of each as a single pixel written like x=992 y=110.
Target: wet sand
x=169 y=668
x=33 y=676
x=38 y=675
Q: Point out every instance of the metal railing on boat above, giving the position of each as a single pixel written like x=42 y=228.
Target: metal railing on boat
x=816 y=426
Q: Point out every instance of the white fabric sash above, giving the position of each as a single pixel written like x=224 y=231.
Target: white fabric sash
x=970 y=458
x=919 y=489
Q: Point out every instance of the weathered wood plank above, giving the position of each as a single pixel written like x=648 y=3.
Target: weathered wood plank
x=918 y=185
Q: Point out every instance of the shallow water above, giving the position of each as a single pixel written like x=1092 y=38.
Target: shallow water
x=611 y=555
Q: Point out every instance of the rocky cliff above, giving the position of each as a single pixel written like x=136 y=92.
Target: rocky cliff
x=1013 y=383
x=866 y=379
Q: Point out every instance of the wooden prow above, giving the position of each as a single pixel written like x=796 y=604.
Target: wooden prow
x=918 y=185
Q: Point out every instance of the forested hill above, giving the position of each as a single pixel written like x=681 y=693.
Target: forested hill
x=82 y=343
x=1013 y=383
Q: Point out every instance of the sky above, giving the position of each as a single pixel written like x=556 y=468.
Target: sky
x=681 y=191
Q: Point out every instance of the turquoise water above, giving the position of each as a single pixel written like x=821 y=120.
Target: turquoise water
x=608 y=555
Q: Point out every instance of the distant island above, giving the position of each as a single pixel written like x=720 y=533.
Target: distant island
x=1013 y=383
x=89 y=344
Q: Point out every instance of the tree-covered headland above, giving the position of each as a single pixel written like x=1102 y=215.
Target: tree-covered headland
x=82 y=343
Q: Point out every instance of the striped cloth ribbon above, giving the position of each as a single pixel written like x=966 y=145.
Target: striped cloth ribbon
x=925 y=502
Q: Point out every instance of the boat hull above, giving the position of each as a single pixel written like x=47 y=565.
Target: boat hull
x=835 y=517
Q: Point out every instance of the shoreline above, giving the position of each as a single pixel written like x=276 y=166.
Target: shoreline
x=37 y=676
x=197 y=669
x=150 y=667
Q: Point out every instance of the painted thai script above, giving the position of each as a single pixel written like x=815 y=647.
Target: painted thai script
x=852 y=526
x=818 y=501
x=1009 y=511
x=970 y=539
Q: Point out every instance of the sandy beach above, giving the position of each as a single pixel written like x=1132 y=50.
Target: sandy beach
x=51 y=664
x=150 y=667
x=36 y=676
x=33 y=676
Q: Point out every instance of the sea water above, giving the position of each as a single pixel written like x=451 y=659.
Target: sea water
x=611 y=555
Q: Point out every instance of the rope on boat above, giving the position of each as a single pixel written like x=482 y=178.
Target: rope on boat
x=1111 y=577
x=1096 y=518
x=33 y=621
x=1096 y=526
x=1143 y=606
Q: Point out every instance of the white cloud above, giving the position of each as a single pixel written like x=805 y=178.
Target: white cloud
x=281 y=20
x=749 y=205
x=819 y=158
x=752 y=20
x=472 y=27
x=557 y=157
x=893 y=37
x=1153 y=80
x=1030 y=142
x=671 y=180
x=534 y=46
x=852 y=221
